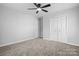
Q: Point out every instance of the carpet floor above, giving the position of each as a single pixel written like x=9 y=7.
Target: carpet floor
x=39 y=47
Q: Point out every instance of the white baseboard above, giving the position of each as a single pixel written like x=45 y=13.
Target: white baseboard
x=19 y=41
x=61 y=42
x=73 y=44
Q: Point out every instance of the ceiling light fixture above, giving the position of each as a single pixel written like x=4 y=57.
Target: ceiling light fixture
x=39 y=9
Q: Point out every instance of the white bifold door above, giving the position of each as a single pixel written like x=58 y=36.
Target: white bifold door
x=58 y=29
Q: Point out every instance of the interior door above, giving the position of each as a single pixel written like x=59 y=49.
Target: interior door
x=62 y=29
x=58 y=29
x=53 y=29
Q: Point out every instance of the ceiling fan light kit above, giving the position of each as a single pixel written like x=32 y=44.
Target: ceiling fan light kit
x=39 y=9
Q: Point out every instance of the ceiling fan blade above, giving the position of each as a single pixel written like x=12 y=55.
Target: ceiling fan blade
x=37 y=12
x=44 y=10
x=36 y=4
x=48 y=5
x=32 y=8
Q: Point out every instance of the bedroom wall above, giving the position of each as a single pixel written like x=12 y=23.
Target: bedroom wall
x=16 y=26
x=72 y=25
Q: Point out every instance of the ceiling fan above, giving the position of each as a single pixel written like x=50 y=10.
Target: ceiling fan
x=39 y=7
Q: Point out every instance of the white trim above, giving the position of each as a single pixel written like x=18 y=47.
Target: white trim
x=62 y=42
x=73 y=44
x=32 y=39
x=19 y=41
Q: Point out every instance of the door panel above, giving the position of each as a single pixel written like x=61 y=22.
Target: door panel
x=62 y=29
x=58 y=29
x=53 y=29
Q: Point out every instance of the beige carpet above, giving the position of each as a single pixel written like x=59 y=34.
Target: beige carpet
x=39 y=47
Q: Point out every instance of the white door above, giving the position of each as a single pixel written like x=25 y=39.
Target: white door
x=53 y=29
x=62 y=29
x=58 y=29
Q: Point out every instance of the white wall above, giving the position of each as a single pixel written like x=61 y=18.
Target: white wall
x=16 y=26
x=72 y=25
x=46 y=27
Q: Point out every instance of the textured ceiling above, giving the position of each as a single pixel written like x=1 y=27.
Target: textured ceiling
x=22 y=7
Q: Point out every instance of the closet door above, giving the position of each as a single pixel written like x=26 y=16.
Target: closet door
x=58 y=29
x=53 y=29
x=62 y=29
